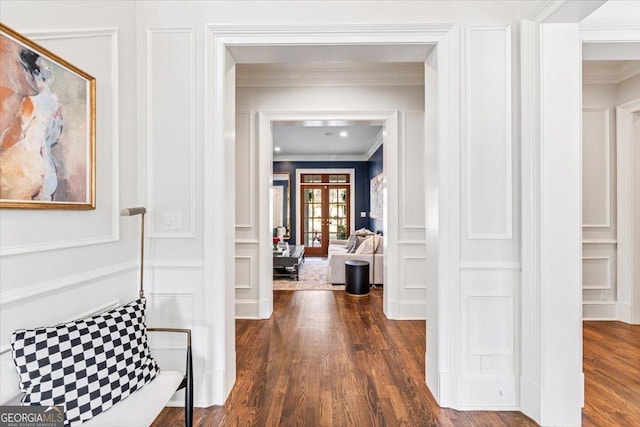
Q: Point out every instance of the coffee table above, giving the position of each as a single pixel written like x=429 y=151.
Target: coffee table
x=287 y=263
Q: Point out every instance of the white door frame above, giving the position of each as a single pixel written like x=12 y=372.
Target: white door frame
x=219 y=224
x=628 y=301
x=389 y=120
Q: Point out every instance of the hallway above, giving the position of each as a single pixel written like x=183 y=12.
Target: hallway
x=324 y=359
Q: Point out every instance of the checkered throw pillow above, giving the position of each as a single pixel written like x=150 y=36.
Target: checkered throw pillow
x=87 y=365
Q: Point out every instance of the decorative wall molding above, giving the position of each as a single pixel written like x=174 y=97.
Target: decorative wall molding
x=150 y=69
x=330 y=74
x=599 y=242
x=476 y=266
x=247 y=241
x=607 y=178
x=597 y=260
x=248 y=267
x=187 y=312
x=112 y=35
x=422 y=261
x=249 y=193
x=377 y=144
x=477 y=343
x=405 y=168
x=39 y=290
x=475 y=134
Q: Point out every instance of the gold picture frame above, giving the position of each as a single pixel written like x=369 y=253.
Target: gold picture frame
x=47 y=128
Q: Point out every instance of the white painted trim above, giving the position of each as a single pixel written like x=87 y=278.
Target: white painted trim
x=42 y=289
x=352 y=199
x=247 y=241
x=403 y=271
x=508 y=349
x=252 y=166
x=444 y=290
x=479 y=266
x=607 y=142
x=608 y=266
x=112 y=34
x=153 y=234
x=599 y=242
x=251 y=278
x=626 y=221
x=508 y=233
x=169 y=264
x=190 y=320
x=402 y=181
x=320 y=158
x=378 y=142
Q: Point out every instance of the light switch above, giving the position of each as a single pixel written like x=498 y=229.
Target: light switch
x=173 y=220
x=363 y=214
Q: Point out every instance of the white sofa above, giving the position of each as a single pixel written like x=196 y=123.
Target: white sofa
x=338 y=255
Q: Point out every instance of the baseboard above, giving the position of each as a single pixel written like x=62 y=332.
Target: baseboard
x=412 y=310
x=599 y=311
x=530 y=398
x=489 y=392
x=247 y=309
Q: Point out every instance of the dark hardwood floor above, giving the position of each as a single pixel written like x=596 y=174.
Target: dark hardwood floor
x=324 y=359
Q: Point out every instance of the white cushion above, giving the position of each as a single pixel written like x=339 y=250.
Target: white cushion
x=142 y=406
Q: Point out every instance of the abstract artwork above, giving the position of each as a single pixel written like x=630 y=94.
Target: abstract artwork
x=376 y=197
x=47 y=128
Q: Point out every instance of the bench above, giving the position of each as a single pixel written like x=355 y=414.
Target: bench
x=141 y=407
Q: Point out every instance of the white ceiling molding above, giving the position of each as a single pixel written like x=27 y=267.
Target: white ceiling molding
x=376 y=144
x=323 y=74
x=609 y=72
x=320 y=158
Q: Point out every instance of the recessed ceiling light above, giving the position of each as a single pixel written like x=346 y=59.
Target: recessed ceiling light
x=328 y=133
x=276 y=149
x=343 y=134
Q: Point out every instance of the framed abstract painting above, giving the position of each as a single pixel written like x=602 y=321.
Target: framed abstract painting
x=47 y=128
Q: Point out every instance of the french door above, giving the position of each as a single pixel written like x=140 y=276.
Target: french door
x=325 y=211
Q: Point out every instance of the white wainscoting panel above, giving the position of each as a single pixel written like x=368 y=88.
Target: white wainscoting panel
x=170 y=310
x=171 y=132
x=411 y=173
x=245 y=170
x=488 y=159
x=596 y=168
x=244 y=272
x=490 y=324
x=596 y=272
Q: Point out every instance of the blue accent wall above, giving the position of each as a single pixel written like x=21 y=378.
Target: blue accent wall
x=375 y=164
x=361 y=188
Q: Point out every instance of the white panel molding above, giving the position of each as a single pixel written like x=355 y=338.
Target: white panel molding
x=607 y=141
x=189 y=234
x=40 y=290
x=600 y=310
x=403 y=173
x=412 y=242
x=474 y=343
x=607 y=264
x=406 y=260
x=599 y=241
x=161 y=341
x=508 y=142
x=247 y=241
x=170 y=264
x=320 y=158
x=252 y=166
x=499 y=266
x=247 y=309
x=249 y=268
x=411 y=310
x=112 y=35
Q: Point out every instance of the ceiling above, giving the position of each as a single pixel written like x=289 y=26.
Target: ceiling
x=609 y=72
x=323 y=141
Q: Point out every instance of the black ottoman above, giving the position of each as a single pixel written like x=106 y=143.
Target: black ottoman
x=356 y=278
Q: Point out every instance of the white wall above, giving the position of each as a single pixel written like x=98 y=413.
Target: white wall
x=59 y=265
x=636 y=211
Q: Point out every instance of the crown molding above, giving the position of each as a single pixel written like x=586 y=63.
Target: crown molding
x=320 y=158
x=336 y=74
